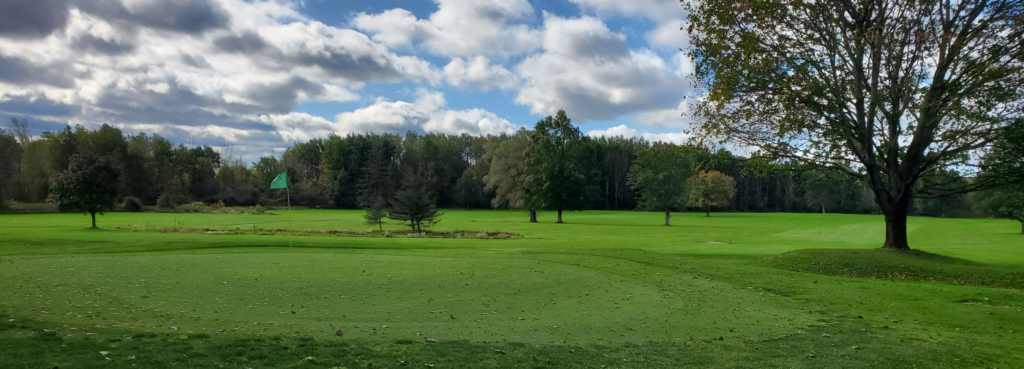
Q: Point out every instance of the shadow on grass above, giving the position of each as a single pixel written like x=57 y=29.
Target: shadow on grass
x=911 y=265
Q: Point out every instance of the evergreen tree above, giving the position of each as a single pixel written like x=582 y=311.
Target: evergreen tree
x=561 y=166
x=415 y=203
x=375 y=212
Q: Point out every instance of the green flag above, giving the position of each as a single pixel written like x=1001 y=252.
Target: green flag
x=280 y=182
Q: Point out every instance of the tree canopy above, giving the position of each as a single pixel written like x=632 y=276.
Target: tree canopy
x=88 y=185
x=710 y=189
x=560 y=166
x=659 y=175
x=882 y=90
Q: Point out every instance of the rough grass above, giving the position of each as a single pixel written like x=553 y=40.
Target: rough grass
x=612 y=289
x=913 y=265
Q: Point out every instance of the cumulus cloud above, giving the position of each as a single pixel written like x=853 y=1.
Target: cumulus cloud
x=669 y=35
x=624 y=131
x=478 y=73
x=211 y=70
x=458 y=27
x=426 y=114
x=589 y=71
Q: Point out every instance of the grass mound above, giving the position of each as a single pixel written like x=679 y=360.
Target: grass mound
x=910 y=265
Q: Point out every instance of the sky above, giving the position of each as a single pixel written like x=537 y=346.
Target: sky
x=260 y=76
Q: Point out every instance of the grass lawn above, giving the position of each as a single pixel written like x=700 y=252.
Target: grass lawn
x=608 y=289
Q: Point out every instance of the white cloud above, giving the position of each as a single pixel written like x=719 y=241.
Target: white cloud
x=624 y=131
x=426 y=114
x=589 y=71
x=218 y=79
x=480 y=74
x=458 y=28
x=669 y=35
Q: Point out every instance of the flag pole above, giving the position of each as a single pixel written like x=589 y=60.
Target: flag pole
x=288 y=192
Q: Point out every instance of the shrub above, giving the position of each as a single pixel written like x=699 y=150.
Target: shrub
x=218 y=205
x=166 y=201
x=258 y=209
x=132 y=204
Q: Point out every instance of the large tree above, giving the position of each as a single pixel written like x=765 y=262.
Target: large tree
x=882 y=90
x=88 y=185
x=561 y=166
x=659 y=174
x=507 y=172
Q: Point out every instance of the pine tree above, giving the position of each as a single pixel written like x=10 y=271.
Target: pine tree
x=376 y=212
x=414 y=203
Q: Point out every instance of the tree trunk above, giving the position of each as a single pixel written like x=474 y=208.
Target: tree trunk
x=93 y=213
x=559 y=215
x=707 y=210
x=823 y=208
x=667 y=215
x=533 y=216
x=380 y=225
x=896 y=229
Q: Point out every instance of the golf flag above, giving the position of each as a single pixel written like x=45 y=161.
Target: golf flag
x=280 y=182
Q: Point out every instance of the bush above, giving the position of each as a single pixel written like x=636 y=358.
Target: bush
x=166 y=201
x=258 y=209
x=218 y=205
x=132 y=204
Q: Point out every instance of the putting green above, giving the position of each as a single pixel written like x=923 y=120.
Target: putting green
x=440 y=295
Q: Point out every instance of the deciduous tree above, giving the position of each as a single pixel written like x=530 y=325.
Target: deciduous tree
x=560 y=166
x=710 y=189
x=659 y=174
x=882 y=90
x=88 y=185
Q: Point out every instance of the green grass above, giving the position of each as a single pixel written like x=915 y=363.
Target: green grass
x=612 y=289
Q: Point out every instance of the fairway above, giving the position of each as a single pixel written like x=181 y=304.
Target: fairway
x=608 y=288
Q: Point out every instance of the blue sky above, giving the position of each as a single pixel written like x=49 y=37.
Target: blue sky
x=259 y=76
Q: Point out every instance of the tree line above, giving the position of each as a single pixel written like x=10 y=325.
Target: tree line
x=408 y=177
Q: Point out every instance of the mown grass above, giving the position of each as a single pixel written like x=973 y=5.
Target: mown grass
x=910 y=265
x=612 y=289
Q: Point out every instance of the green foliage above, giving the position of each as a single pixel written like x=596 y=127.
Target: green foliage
x=132 y=204
x=88 y=185
x=561 y=167
x=468 y=193
x=257 y=210
x=1005 y=202
x=10 y=161
x=710 y=189
x=824 y=83
x=376 y=211
x=167 y=201
x=507 y=171
x=659 y=174
x=414 y=202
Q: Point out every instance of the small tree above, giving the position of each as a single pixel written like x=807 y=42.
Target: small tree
x=89 y=185
x=711 y=189
x=376 y=212
x=414 y=203
x=660 y=175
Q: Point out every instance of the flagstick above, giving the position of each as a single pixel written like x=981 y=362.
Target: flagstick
x=288 y=191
